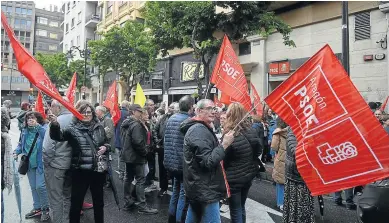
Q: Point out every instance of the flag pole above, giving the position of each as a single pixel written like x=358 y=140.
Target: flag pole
x=245 y=116
x=206 y=92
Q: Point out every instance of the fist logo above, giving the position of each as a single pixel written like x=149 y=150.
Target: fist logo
x=331 y=155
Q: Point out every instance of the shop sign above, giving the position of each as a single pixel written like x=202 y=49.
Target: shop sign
x=279 y=68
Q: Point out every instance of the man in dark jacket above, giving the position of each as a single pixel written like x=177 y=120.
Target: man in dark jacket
x=134 y=138
x=123 y=115
x=204 y=183
x=158 y=136
x=173 y=158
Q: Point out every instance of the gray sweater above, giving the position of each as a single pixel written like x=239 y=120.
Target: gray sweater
x=58 y=154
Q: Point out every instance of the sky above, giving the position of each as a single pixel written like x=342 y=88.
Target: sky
x=46 y=3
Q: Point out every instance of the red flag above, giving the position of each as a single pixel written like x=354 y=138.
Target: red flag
x=111 y=102
x=384 y=104
x=33 y=71
x=340 y=143
x=228 y=75
x=257 y=101
x=71 y=93
x=39 y=105
x=225 y=99
x=217 y=102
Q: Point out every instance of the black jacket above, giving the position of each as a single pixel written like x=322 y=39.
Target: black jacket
x=159 y=130
x=133 y=138
x=240 y=162
x=203 y=176
x=83 y=155
x=291 y=171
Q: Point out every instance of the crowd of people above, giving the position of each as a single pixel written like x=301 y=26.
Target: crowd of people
x=210 y=154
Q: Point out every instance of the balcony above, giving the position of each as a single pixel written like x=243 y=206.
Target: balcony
x=92 y=21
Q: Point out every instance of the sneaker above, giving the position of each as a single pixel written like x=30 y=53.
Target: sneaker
x=87 y=206
x=129 y=206
x=161 y=193
x=34 y=213
x=338 y=202
x=45 y=215
x=281 y=208
x=224 y=208
x=147 y=210
x=150 y=188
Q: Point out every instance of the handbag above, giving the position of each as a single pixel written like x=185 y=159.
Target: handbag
x=256 y=159
x=102 y=163
x=25 y=160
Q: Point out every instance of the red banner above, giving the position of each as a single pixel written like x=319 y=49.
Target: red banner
x=384 y=104
x=33 y=71
x=39 y=105
x=340 y=142
x=225 y=99
x=71 y=93
x=217 y=102
x=257 y=101
x=111 y=102
x=228 y=75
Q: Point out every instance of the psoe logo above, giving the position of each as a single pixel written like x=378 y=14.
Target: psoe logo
x=331 y=155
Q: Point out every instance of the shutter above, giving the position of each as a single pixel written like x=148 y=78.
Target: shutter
x=362 y=26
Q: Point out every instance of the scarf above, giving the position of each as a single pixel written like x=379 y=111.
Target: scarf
x=8 y=159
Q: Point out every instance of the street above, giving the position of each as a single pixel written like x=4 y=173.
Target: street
x=260 y=207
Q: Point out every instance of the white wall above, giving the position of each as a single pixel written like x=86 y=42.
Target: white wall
x=370 y=78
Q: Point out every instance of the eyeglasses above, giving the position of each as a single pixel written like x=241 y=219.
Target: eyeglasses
x=210 y=108
x=87 y=113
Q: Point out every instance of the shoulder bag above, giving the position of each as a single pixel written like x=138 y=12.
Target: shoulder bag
x=101 y=160
x=25 y=160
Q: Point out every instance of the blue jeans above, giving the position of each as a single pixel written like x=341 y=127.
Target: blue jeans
x=203 y=212
x=349 y=195
x=237 y=203
x=280 y=188
x=177 y=200
x=38 y=189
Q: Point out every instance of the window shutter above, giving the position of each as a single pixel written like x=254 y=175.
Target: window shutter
x=362 y=26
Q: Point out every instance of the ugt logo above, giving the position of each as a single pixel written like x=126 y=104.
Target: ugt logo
x=331 y=155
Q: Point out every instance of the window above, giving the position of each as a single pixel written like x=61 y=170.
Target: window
x=22 y=33
x=9 y=9
x=18 y=10
x=26 y=80
x=27 y=45
x=3 y=8
x=66 y=27
x=53 y=24
x=28 y=24
x=123 y=24
x=362 y=26
x=78 y=40
x=53 y=47
x=28 y=34
x=4 y=79
x=42 y=20
x=41 y=32
x=17 y=23
x=22 y=23
x=68 y=6
x=72 y=22
x=71 y=43
x=24 y=11
x=79 y=17
x=74 y=3
x=29 y=11
x=53 y=35
x=109 y=7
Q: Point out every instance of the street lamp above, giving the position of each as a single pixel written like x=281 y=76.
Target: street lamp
x=83 y=54
x=11 y=93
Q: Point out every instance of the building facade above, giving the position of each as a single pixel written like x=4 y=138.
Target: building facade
x=48 y=31
x=315 y=25
x=21 y=17
x=79 y=26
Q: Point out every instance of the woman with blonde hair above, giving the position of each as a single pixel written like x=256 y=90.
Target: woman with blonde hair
x=241 y=160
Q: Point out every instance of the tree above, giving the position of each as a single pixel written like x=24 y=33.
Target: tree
x=178 y=24
x=55 y=66
x=128 y=50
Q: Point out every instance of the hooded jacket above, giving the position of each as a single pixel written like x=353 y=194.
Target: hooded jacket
x=133 y=138
x=278 y=144
x=83 y=155
x=203 y=176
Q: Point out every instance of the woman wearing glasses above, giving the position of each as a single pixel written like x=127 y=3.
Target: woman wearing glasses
x=88 y=141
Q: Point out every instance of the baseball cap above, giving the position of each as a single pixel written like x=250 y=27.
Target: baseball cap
x=135 y=107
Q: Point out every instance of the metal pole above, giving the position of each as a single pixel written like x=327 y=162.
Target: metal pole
x=10 y=81
x=85 y=61
x=345 y=38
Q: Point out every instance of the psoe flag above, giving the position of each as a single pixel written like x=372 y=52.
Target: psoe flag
x=340 y=143
x=140 y=97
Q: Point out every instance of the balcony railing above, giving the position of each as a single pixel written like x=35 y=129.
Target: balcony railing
x=93 y=17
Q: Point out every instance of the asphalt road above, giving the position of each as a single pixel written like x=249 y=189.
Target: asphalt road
x=260 y=207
